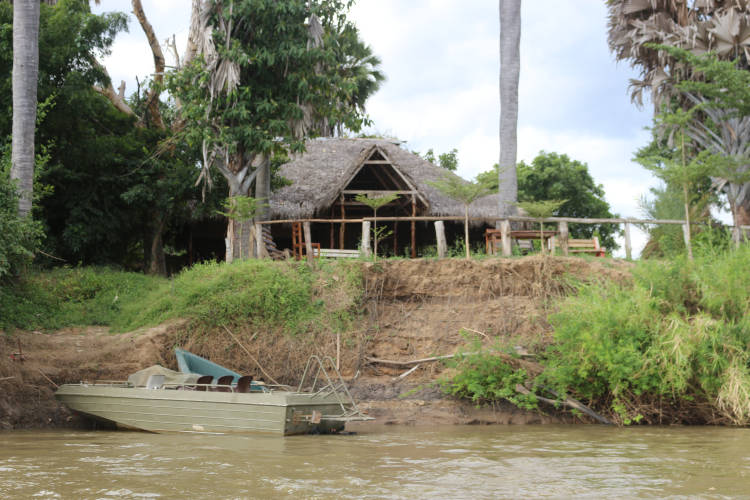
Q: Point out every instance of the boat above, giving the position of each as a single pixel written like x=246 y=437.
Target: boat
x=205 y=397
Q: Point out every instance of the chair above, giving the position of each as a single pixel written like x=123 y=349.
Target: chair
x=224 y=384
x=203 y=381
x=243 y=384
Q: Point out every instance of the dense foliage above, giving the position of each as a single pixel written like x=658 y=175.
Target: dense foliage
x=552 y=176
x=676 y=337
x=18 y=237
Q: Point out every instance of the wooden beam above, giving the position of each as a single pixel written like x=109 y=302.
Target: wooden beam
x=376 y=192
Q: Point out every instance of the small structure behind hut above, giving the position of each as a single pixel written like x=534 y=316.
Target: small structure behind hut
x=325 y=180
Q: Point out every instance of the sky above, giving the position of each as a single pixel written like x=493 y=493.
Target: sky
x=441 y=61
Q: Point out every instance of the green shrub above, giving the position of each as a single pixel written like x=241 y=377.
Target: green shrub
x=679 y=332
x=486 y=378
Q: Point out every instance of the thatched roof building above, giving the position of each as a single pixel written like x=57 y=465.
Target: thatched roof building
x=332 y=171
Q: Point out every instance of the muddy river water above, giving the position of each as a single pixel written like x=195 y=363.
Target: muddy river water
x=382 y=462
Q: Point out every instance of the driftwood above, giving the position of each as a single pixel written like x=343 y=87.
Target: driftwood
x=569 y=402
x=407 y=373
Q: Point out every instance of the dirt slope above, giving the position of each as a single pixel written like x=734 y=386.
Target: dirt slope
x=412 y=309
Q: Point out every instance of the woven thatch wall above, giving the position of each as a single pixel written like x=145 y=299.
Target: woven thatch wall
x=320 y=174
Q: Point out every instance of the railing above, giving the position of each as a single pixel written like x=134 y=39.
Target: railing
x=504 y=226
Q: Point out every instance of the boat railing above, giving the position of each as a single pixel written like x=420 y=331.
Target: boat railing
x=322 y=384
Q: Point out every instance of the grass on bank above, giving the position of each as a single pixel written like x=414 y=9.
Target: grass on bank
x=673 y=346
x=287 y=295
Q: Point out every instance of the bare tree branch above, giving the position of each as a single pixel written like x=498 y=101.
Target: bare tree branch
x=152 y=100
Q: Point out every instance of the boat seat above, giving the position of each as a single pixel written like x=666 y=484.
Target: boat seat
x=155 y=381
x=243 y=384
x=224 y=384
x=203 y=381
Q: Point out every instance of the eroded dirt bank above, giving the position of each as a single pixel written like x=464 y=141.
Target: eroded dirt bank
x=410 y=310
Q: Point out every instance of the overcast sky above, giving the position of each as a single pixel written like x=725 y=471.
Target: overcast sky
x=442 y=64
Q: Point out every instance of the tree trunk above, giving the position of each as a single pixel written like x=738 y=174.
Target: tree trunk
x=158 y=262
x=510 y=68
x=25 y=72
x=742 y=218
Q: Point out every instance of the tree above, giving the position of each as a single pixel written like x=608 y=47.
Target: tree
x=683 y=169
x=552 y=176
x=375 y=202
x=25 y=71
x=448 y=161
x=261 y=84
x=510 y=69
x=466 y=192
x=676 y=46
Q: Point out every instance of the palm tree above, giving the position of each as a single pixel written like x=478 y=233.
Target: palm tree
x=25 y=71
x=510 y=67
x=698 y=27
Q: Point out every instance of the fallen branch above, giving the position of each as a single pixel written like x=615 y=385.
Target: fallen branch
x=416 y=361
x=6 y=378
x=569 y=402
x=48 y=379
x=407 y=373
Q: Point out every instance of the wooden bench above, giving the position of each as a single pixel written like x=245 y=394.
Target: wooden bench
x=336 y=253
x=590 y=246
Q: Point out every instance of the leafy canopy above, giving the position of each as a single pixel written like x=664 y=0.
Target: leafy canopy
x=553 y=176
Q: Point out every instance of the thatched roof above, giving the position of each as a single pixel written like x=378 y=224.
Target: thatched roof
x=320 y=174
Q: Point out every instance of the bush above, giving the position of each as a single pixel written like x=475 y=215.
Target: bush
x=18 y=237
x=679 y=333
x=486 y=378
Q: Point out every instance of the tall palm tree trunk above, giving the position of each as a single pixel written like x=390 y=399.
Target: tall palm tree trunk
x=510 y=68
x=25 y=71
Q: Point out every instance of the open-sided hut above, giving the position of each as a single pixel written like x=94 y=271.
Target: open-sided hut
x=325 y=180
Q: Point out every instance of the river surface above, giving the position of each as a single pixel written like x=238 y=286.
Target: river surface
x=382 y=462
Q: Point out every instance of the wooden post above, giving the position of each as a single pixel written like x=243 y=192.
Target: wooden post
x=308 y=243
x=442 y=245
x=366 y=238
x=628 y=244
x=413 y=228
x=332 y=243
x=562 y=227
x=395 y=238
x=342 y=228
x=505 y=234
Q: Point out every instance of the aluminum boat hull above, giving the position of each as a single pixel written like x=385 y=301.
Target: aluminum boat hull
x=171 y=410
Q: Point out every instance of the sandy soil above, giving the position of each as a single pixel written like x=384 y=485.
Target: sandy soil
x=412 y=309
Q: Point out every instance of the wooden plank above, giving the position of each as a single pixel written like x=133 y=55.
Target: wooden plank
x=377 y=192
x=336 y=253
x=342 y=228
